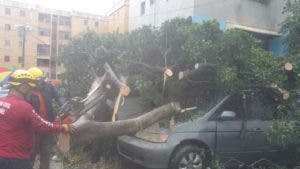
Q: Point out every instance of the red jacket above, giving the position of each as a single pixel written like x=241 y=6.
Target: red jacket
x=18 y=123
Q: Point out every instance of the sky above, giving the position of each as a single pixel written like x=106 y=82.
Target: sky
x=100 y=7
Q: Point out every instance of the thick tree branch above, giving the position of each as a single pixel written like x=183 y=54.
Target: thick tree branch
x=88 y=129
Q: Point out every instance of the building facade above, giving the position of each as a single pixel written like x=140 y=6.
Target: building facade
x=33 y=36
x=262 y=18
x=117 y=19
x=155 y=12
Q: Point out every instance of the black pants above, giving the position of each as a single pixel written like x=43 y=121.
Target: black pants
x=43 y=147
x=10 y=163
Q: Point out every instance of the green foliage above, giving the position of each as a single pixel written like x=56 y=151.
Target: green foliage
x=77 y=59
x=291 y=27
x=178 y=44
x=285 y=130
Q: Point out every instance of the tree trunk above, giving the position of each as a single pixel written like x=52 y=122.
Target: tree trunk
x=87 y=129
x=204 y=73
x=96 y=105
x=153 y=70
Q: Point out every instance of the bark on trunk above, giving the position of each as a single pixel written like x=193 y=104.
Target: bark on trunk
x=96 y=101
x=87 y=129
x=115 y=82
x=204 y=73
x=156 y=70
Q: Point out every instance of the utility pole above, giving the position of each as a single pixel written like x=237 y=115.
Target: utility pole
x=22 y=34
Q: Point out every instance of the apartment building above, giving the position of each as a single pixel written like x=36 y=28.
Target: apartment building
x=155 y=12
x=33 y=36
x=262 y=18
x=117 y=19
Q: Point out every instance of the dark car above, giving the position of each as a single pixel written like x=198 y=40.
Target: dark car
x=235 y=129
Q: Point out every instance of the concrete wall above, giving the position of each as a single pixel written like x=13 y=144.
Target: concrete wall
x=158 y=12
x=33 y=38
x=117 y=21
x=248 y=13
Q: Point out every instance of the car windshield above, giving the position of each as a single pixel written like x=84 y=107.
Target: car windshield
x=198 y=112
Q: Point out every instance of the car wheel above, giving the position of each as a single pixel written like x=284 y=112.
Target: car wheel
x=188 y=157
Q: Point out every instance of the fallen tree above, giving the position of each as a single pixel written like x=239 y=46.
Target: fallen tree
x=94 y=123
x=88 y=129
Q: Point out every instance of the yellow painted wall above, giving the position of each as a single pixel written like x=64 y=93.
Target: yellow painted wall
x=30 y=20
x=118 y=20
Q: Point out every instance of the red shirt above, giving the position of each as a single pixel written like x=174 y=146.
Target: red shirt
x=18 y=123
x=42 y=105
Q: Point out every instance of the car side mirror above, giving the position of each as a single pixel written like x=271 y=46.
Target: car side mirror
x=227 y=115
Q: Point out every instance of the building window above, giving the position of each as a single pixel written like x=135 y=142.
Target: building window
x=7 y=43
x=64 y=20
x=43 y=49
x=44 y=17
x=143 y=8
x=22 y=12
x=43 y=63
x=64 y=35
x=96 y=24
x=152 y=2
x=20 y=44
x=86 y=22
x=20 y=59
x=7 y=11
x=7 y=27
x=44 y=32
x=6 y=58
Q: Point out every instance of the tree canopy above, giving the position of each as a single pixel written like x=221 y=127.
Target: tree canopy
x=178 y=44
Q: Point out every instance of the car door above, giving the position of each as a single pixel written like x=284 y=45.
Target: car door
x=260 y=111
x=229 y=140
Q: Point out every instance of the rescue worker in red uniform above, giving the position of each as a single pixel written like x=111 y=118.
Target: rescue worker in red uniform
x=19 y=122
x=41 y=98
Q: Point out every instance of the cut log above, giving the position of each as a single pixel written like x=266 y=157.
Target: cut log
x=157 y=70
x=285 y=94
x=115 y=82
x=87 y=129
x=183 y=74
x=63 y=142
x=116 y=107
x=204 y=73
x=168 y=72
x=288 y=66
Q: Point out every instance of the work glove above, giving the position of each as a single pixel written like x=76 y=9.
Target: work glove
x=68 y=119
x=69 y=128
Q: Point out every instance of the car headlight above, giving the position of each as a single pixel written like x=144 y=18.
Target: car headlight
x=152 y=137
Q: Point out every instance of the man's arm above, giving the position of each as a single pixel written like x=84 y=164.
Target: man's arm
x=39 y=124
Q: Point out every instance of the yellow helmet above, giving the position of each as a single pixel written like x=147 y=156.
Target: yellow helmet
x=36 y=73
x=21 y=77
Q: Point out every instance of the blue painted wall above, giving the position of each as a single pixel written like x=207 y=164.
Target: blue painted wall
x=201 y=19
x=275 y=44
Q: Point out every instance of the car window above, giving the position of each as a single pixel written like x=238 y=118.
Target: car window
x=234 y=104
x=260 y=106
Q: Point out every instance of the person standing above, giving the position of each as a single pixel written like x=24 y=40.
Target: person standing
x=19 y=122
x=42 y=98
